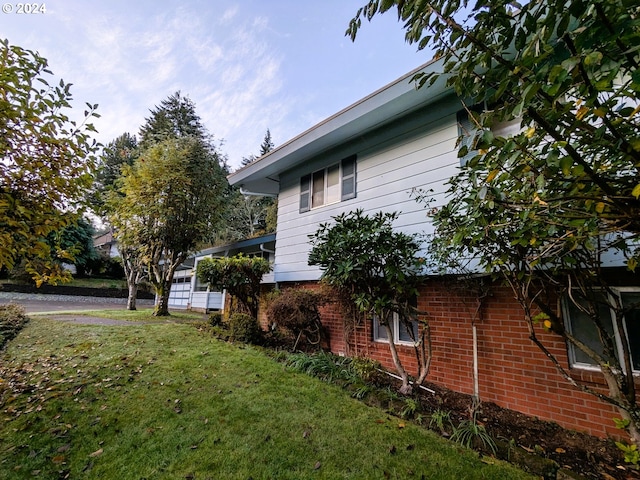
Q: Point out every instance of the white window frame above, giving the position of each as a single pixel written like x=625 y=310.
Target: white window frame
x=395 y=327
x=618 y=338
x=307 y=183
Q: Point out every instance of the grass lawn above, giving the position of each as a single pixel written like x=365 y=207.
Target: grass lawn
x=165 y=401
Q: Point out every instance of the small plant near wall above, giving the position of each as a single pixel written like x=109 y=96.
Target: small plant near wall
x=470 y=431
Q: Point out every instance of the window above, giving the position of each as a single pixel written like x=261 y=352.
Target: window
x=401 y=332
x=329 y=185
x=583 y=328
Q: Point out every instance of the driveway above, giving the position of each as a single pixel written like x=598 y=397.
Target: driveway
x=39 y=303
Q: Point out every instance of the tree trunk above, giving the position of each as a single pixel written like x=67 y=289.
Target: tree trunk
x=406 y=388
x=162 y=303
x=133 y=295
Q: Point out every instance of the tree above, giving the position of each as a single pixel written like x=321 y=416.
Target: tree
x=251 y=215
x=239 y=275
x=267 y=144
x=46 y=163
x=122 y=151
x=77 y=238
x=171 y=200
x=379 y=270
x=541 y=209
x=175 y=118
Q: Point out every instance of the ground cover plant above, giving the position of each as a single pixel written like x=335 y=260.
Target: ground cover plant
x=162 y=400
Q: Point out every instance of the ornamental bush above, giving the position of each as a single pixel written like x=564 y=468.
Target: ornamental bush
x=245 y=328
x=296 y=310
x=12 y=320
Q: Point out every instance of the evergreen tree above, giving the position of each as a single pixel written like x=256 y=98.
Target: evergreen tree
x=175 y=118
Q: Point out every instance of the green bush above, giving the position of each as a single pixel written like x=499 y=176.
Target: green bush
x=215 y=319
x=245 y=328
x=368 y=370
x=12 y=320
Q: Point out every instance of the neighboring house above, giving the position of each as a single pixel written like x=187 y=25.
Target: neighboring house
x=372 y=155
x=106 y=244
x=188 y=292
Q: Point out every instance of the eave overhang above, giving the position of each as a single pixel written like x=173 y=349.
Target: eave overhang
x=396 y=100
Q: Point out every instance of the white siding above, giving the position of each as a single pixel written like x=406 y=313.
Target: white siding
x=207 y=300
x=387 y=173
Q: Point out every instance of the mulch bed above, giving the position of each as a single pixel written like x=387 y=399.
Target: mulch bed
x=590 y=456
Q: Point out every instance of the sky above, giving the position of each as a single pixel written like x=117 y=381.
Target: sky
x=248 y=65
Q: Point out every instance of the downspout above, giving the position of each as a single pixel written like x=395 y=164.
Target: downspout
x=265 y=249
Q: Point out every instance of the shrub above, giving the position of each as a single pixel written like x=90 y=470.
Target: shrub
x=215 y=319
x=245 y=328
x=368 y=370
x=12 y=320
x=297 y=311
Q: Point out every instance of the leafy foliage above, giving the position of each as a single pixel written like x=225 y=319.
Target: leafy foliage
x=121 y=151
x=297 y=311
x=546 y=207
x=46 y=163
x=378 y=268
x=245 y=328
x=12 y=320
x=174 y=118
x=169 y=201
x=239 y=275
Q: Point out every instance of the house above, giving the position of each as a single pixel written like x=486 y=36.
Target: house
x=188 y=292
x=106 y=245
x=371 y=156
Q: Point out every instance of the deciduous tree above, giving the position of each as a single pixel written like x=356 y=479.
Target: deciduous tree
x=544 y=209
x=46 y=163
x=170 y=201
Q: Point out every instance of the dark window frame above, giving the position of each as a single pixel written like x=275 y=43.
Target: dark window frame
x=347 y=175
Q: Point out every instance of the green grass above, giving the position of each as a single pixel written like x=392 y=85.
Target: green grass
x=140 y=315
x=162 y=401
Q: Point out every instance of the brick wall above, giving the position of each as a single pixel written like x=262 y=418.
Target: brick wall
x=512 y=371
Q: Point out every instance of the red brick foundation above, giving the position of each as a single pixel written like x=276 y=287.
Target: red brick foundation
x=512 y=371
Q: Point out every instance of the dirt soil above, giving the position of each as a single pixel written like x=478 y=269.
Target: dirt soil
x=587 y=455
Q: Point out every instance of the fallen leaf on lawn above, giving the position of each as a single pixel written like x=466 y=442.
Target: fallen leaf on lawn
x=317 y=465
x=96 y=453
x=58 y=459
x=560 y=450
x=64 y=448
x=402 y=425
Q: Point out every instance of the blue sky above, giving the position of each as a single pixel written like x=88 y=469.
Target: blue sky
x=248 y=65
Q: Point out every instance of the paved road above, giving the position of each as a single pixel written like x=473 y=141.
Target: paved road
x=37 y=303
